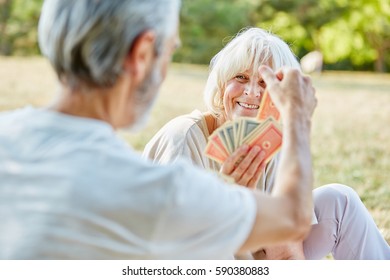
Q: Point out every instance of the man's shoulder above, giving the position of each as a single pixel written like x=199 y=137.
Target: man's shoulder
x=17 y=113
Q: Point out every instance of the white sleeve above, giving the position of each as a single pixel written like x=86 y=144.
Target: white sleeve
x=176 y=141
x=211 y=218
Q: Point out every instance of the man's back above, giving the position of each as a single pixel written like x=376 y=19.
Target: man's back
x=72 y=190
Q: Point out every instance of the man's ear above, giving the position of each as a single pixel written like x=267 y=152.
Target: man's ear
x=140 y=56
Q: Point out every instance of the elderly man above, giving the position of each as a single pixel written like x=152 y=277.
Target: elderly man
x=70 y=189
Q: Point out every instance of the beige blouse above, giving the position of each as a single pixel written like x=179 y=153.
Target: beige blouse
x=186 y=137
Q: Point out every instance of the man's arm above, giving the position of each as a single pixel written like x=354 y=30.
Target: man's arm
x=285 y=215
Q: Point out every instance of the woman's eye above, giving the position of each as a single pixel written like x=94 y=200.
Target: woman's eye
x=240 y=77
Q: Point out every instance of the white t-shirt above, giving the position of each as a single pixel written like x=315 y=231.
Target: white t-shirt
x=70 y=189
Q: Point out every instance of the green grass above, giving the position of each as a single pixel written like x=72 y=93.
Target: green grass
x=351 y=126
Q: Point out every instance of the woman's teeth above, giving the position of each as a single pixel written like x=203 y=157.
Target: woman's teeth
x=248 y=106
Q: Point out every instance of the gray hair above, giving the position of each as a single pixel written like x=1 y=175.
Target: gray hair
x=86 y=41
x=250 y=48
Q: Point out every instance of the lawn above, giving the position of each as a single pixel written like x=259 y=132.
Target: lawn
x=351 y=127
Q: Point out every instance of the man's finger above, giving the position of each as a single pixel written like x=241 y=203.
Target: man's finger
x=279 y=75
x=268 y=75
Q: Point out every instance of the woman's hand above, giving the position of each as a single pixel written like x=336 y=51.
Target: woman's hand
x=245 y=166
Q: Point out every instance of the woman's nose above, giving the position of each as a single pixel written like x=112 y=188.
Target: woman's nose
x=253 y=90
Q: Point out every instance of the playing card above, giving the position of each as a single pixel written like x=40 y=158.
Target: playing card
x=229 y=133
x=221 y=134
x=265 y=133
x=212 y=151
x=247 y=125
x=257 y=130
x=236 y=129
x=269 y=140
x=267 y=108
x=218 y=142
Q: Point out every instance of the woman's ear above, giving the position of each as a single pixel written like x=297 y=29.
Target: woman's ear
x=141 y=56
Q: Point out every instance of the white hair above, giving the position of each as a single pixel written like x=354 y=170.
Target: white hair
x=250 y=48
x=86 y=41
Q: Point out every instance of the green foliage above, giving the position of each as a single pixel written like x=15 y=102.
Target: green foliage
x=362 y=35
x=358 y=31
x=350 y=34
x=307 y=16
x=19 y=32
x=205 y=24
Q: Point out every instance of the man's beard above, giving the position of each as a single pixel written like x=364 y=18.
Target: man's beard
x=144 y=99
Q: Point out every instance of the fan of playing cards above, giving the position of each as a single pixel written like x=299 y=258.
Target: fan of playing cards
x=263 y=131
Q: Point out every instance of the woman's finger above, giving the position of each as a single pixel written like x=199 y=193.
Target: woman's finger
x=230 y=163
x=252 y=184
x=243 y=166
x=253 y=173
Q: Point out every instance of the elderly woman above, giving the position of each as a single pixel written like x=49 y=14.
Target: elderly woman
x=341 y=226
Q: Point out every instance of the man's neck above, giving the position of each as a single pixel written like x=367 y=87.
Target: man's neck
x=105 y=104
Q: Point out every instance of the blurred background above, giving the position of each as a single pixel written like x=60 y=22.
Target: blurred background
x=349 y=43
x=351 y=35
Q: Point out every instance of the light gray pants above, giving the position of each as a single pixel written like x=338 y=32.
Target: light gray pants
x=345 y=228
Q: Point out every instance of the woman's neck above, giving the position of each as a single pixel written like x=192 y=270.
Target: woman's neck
x=213 y=122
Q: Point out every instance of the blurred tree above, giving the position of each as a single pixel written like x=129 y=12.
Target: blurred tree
x=206 y=24
x=5 y=12
x=358 y=31
x=299 y=21
x=370 y=21
x=18 y=26
x=350 y=34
